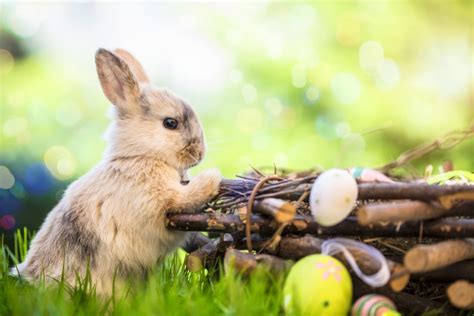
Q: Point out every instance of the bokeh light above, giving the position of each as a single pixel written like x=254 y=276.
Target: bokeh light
x=8 y=202
x=37 y=179
x=15 y=126
x=68 y=114
x=312 y=94
x=326 y=128
x=387 y=74
x=273 y=106
x=287 y=119
x=342 y=129
x=7 y=180
x=25 y=20
x=7 y=222
x=346 y=88
x=371 y=54
x=18 y=191
x=298 y=75
x=61 y=162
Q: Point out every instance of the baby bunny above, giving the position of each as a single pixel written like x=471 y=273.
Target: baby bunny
x=111 y=221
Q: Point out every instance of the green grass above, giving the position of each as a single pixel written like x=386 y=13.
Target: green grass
x=170 y=290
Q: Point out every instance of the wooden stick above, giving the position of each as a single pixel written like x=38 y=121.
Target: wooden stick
x=423 y=258
x=295 y=248
x=282 y=211
x=195 y=241
x=402 y=211
x=218 y=222
x=246 y=263
x=461 y=294
x=205 y=257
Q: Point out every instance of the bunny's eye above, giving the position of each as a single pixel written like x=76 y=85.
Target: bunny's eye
x=170 y=123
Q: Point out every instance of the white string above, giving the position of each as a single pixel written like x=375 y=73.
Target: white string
x=333 y=246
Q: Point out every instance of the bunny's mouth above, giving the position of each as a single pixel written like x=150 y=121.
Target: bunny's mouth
x=191 y=155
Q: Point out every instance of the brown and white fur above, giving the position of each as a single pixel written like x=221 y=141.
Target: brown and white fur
x=112 y=220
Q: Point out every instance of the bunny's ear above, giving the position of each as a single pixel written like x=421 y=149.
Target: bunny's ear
x=118 y=82
x=134 y=65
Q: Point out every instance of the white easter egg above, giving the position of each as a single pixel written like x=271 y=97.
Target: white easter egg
x=333 y=196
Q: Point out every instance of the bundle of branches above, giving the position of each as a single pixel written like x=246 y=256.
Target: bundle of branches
x=426 y=233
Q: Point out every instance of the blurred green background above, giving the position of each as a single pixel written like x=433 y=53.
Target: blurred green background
x=298 y=84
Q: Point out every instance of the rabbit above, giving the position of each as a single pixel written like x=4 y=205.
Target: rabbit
x=111 y=221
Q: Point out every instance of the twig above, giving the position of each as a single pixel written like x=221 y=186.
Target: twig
x=273 y=242
x=251 y=200
x=303 y=196
x=445 y=142
x=388 y=245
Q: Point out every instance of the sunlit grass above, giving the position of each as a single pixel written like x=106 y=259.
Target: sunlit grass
x=170 y=290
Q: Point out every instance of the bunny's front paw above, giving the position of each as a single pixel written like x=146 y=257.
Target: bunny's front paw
x=209 y=182
x=199 y=191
